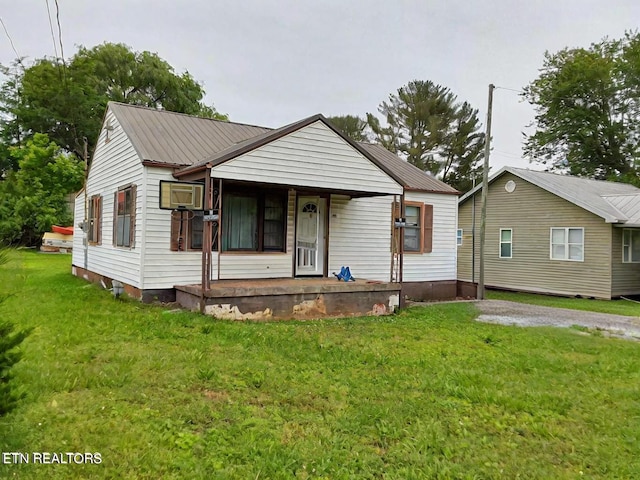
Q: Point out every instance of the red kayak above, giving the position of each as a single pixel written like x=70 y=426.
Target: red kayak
x=62 y=230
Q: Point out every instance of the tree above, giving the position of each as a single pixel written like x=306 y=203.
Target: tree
x=425 y=123
x=352 y=126
x=67 y=101
x=463 y=149
x=34 y=197
x=10 y=132
x=9 y=356
x=587 y=105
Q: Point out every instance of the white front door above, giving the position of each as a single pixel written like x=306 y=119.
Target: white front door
x=310 y=236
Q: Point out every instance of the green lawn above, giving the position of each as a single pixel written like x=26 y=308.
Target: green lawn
x=618 y=307
x=428 y=393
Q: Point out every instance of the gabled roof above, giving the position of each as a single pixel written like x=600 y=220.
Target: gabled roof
x=608 y=200
x=191 y=143
x=169 y=138
x=628 y=204
x=411 y=177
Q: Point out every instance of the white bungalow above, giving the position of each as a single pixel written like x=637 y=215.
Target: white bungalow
x=249 y=222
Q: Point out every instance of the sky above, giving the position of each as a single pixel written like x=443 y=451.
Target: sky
x=270 y=63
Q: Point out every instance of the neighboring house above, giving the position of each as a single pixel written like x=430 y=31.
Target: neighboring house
x=300 y=201
x=552 y=233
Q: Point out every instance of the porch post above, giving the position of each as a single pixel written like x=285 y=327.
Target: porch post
x=401 y=249
x=219 y=225
x=206 y=239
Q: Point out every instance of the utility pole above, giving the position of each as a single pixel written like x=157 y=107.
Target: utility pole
x=485 y=188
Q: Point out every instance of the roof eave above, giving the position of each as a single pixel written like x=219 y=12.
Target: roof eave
x=426 y=190
x=154 y=163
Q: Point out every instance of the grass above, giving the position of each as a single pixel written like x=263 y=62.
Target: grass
x=427 y=393
x=618 y=307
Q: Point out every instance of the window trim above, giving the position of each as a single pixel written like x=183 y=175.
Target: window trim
x=459 y=236
x=420 y=227
x=566 y=244
x=131 y=214
x=510 y=243
x=630 y=245
x=94 y=228
x=425 y=227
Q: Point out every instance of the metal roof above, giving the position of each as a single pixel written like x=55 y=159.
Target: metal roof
x=629 y=205
x=592 y=195
x=409 y=175
x=178 y=139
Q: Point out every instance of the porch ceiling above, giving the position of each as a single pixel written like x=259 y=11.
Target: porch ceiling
x=306 y=189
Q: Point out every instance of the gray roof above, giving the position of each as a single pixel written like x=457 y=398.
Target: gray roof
x=175 y=139
x=629 y=205
x=410 y=176
x=614 y=202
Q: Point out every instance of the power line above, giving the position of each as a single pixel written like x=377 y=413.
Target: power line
x=520 y=91
x=18 y=59
x=59 y=31
x=53 y=37
x=502 y=153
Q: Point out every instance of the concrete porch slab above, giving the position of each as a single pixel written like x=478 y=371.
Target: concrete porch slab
x=291 y=298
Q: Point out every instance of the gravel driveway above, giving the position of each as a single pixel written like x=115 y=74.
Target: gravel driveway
x=525 y=315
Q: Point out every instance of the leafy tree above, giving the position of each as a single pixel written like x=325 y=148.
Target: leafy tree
x=425 y=123
x=67 y=102
x=352 y=126
x=10 y=132
x=34 y=197
x=588 y=110
x=9 y=356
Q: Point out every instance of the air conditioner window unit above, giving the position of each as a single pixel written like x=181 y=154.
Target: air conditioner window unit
x=181 y=195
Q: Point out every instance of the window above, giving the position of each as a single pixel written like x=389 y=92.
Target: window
x=630 y=246
x=254 y=221
x=94 y=232
x=187 y=228
x=413 y=228
x=567 y=244
x=459 y=233
x=418 y=230
x=274 y=222
x=506 y=242
x=124 y=217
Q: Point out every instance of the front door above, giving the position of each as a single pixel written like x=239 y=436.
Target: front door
x=310 y=236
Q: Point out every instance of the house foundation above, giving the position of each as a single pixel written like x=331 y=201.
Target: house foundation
x=290 y=298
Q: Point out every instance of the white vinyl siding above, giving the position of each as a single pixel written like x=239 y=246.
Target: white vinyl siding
x=255 y=265
x=440 y=263
x=506 y=243
x=164 y=268
x=360 y=236
x=115 y=163
x=77 y=253
x=567 y=244
x=313 y=156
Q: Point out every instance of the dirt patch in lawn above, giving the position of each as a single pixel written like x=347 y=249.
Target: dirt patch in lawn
x=527 y=315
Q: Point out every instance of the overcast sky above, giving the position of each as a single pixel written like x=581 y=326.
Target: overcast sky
x=274 y=62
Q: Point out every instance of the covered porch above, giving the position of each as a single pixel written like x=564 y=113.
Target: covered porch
x=290 y=298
